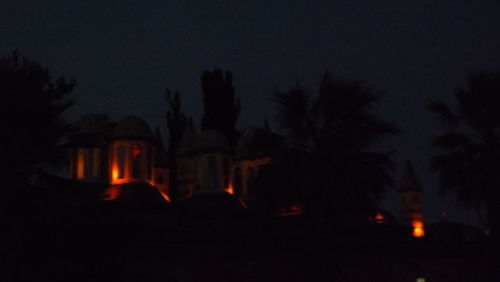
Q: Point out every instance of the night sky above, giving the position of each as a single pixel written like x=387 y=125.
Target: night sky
x=124 y=56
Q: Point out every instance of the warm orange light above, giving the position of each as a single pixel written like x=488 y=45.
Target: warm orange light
x=379 y=218
x=114 y=173
x=164 y=195
x=80 y=166
x=115 y=176
x=229 y=189
x=112 y=193
x=418 y=229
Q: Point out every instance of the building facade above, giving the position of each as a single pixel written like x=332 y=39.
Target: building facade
x=117 y=153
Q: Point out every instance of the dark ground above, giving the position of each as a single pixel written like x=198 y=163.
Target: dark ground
x=105 y=253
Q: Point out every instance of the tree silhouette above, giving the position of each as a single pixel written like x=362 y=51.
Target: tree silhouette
x=329 y=138
x=469 y=157
x=221 y=108
x=176 y=122
x=31 y=108
x=31 y=114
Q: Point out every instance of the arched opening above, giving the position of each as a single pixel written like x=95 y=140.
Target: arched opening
x=121 y=161
x=137 y=161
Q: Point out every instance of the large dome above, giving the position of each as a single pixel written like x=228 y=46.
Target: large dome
x=93 y=124
x=132 y=127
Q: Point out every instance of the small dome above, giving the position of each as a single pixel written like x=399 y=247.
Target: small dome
x=211 y=139
x=93 y=124
x=132 y=127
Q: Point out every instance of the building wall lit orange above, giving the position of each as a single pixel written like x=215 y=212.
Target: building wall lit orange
x=418 y=229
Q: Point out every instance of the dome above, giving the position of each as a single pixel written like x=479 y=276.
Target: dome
x=132 y=127
x=211 y=139
x=93 y=124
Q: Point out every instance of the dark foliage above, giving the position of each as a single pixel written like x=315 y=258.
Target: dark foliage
x=176 y=122
x=31 y=113
x=469 y=149
x=328 y=162
x=221 y=108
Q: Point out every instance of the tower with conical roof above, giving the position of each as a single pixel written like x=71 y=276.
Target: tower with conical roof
x=410 y=196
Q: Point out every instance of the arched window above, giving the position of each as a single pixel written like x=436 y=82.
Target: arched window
x=80 y=163
x=88 y=161
x=237 y=181
x=137 y=156
x=121 y=161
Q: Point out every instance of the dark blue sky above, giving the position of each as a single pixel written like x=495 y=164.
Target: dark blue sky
x=124 y=56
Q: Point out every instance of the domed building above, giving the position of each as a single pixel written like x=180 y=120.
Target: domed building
x=88 y=148
x=204 y=162
x=207 y=164
x=117 y=153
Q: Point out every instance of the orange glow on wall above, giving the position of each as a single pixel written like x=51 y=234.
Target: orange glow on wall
x=114 y=173
x=112 y=193
x=80 y=165
x=115 y=176
x=229 y=189
x=418 y=229
x=164 y=195
x=379 y=217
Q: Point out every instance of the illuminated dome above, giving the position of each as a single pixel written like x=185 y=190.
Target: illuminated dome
x=132 y=127
x=93 y=124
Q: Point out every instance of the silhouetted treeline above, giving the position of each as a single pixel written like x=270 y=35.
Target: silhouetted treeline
x=221 y=107
x=176 y=123
x=469 y=159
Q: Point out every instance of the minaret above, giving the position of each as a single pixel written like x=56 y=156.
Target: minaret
x=410 y=195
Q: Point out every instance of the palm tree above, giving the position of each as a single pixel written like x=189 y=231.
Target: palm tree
x=468 y=161
x=331 y=138
x=328 y=162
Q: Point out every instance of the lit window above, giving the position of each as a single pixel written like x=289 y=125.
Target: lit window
x=418 y=229
x=80 y=163
x=420 y=279
x=121 y=161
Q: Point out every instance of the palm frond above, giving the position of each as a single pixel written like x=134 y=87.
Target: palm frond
x=446 y=116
